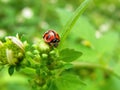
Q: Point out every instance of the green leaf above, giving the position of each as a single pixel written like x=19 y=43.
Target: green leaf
x=68 y=66
x=68 y=82
x=69 y=55
x=52 y=86
x=11 y=70
x=72 y=21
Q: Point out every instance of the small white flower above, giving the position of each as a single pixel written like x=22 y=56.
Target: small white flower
x=27 y=13
x=2 y=33
x=98 y=34
x=44 y=25
x=111 y=8
x=69 y=7
x=105 y=27
x=5 y=1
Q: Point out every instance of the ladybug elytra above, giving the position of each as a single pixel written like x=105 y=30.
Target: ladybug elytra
x=52 y=38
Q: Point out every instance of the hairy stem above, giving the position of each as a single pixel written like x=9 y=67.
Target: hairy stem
x=98 y=66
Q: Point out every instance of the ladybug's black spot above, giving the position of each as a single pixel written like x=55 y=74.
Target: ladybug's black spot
x=48 y=37
x=54 y=40
x=55 y=44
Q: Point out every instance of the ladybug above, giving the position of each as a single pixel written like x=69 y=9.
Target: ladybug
x=52 y=38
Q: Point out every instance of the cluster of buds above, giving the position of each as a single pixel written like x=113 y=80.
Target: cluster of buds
x=11 y=51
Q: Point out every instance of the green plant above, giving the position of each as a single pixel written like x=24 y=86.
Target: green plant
x=52 y=68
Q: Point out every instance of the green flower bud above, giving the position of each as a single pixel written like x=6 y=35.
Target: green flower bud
x=11 y=51
x=35 y=46
x=16 y=41
x=20 y=55
x=43 y=47
x=44 y=56
x=25 y=44
x=10 y=57
x=37 y=58
x=53 y=52
x=28 y=53
x=14 y=50
x=36 y=52
x=3 y=58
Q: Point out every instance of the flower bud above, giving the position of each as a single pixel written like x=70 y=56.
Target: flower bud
x=52 y=52
x=3 y=58
x=36 y=52
x=16 y=41
x=28 y=53
x=14 y=50
x=10 y=57
x=43 y=47
x=44 y=56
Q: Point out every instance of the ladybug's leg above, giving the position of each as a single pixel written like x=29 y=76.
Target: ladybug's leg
x=55 y=44
x=49 y=44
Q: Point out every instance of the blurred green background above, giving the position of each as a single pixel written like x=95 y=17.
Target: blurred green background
x=96 y=34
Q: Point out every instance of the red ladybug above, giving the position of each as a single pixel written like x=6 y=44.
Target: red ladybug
x=52 y=38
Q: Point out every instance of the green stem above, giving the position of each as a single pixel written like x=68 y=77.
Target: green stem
x=90 y=65
x=70 y=24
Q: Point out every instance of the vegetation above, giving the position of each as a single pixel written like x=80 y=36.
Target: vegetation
x=87 y=57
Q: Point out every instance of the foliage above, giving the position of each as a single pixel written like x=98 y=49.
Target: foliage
x=87 y=57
